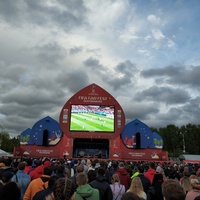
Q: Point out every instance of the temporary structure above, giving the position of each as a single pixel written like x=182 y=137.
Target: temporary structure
x=5 y=154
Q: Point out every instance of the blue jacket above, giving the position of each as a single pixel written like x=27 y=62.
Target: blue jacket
x=23 y=180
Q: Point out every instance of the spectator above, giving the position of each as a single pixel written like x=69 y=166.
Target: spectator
x=185 y=183
x=84 y=190
x=102 y=185
x=9 y=190
x=158 y=179
x=21 y=178
x=83 y=162
x=38 y=184
x=43 y=193
x=79 y=169
x=195 y=191
x=117 y=189
x=145 y=181
x=63 y=189
x=150 y=172
x=91 y=175
x=124 y=176
x=137 y=188
x=171 y=189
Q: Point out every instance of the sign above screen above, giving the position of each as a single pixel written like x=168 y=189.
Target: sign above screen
x=92 y=118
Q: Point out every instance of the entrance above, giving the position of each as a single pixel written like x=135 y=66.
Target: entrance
x=91 y=148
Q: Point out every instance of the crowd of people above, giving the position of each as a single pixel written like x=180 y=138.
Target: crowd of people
x=85 y=179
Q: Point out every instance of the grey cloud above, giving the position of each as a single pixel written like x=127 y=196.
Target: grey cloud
x=75 y=50
x=50 y=53
x=93 y=64
x=127 y=70
x=163 y=94
x=73 y=80
x=179 y=74
x=65 y=15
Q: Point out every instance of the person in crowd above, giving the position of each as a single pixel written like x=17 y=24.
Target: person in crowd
x=117 y=189
x=38 y=171
x=92 y=166
x=84 y=190
x=102 y=185
x=79 y=169
x=83 y=162
x=172 y=189
x=91 y=175
x=61 y=171
x=137 y=188
x=28 y=166
x=38 y=184
x=21 y=178
x=9 y=190
x=48 y=191
x=114 y=168
x=195 y=191
x=150 y=172
x=124 y=176
x=63 y=189
x=158 y=179
x=145 y=181
x=130 y=196
x=185 y=183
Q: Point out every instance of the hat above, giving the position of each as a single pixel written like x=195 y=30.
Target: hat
x=159 y=169
x=6 y=176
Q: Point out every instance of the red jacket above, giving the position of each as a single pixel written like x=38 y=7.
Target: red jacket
x=37 y=172
x=124 y=177
x=150 y=174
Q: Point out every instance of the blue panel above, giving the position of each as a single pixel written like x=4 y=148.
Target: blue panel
x=53 y=128
x=135 y=129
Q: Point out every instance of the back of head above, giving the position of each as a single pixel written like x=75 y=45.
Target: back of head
x=130 y=196
x=21 y=166
x=48 y=170
x=173 y=190
x=63 y=189
x=141 y=169
x=52 y=181
x=81 y=178
x=152 y=165
x=121 y=164
x=79 y=168
x=101 y=171
x=115 y=178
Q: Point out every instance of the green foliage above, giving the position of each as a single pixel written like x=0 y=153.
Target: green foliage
x=8 y=143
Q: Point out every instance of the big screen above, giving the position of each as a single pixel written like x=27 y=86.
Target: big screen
x=92 y=118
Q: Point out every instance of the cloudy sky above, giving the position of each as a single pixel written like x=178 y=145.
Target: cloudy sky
x=144 y=53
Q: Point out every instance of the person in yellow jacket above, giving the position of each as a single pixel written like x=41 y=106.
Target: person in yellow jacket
x=38 y=184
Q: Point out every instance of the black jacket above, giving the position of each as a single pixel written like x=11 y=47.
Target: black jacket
x=103 y=186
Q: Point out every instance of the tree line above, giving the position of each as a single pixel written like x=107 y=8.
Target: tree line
x=176 y=140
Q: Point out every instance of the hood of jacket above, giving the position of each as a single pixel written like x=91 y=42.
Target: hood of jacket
x=85 y=190
x=122 y=171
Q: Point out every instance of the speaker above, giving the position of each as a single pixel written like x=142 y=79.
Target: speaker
x=138 y=140
x=45 y=138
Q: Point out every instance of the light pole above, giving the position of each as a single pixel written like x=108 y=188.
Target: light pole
x=183 y=141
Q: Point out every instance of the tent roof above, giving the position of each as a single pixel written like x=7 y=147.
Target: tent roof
x=4 y=153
